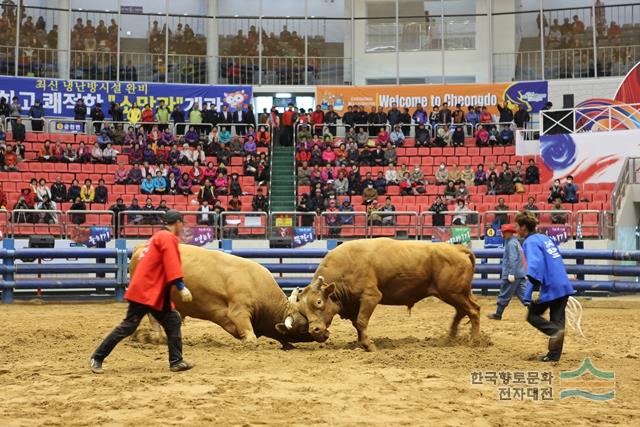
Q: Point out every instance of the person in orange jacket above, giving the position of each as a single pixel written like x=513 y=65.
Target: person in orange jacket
x=159 y=268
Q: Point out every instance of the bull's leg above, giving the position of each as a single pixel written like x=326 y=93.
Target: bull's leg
x=464 y=306
x=453 y=331
x=368 y=303
x=242 y=320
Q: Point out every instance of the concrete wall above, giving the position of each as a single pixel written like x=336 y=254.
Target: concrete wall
x=583 y=89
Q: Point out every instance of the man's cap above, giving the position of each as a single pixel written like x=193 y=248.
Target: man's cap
x=172 y=216
x=508 y=228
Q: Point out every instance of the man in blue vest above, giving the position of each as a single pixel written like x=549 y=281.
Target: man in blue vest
x=514 y=279
x=549 y=287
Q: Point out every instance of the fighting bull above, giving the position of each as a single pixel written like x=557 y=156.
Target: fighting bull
x=238 y=294
x=358 y=275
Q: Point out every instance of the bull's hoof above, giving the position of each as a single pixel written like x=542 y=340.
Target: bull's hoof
x=369 y=346
x=250 y=342
x=287 y=346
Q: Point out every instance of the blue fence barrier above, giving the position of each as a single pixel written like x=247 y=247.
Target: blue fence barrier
x=114 y=262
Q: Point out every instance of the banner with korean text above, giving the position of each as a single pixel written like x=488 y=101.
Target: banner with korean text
x=533 y=95
x=59 y=97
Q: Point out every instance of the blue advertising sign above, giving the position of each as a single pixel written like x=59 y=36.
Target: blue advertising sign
x=90 y=236
x=59 y=96
x=493 y=237
x=303 y=235
x=68 y=127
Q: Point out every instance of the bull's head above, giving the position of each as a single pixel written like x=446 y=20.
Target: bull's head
x=315 y=304
x=294 y=326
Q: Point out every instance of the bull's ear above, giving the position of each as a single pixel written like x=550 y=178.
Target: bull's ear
x=327 y=289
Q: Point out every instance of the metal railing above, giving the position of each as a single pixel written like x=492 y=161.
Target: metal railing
x=393 y=224
x=590 y=119
x=282 y=223
x=343 y=225
x=248 y=225
x=584 y=227
x=27 y=222
x=629 y=174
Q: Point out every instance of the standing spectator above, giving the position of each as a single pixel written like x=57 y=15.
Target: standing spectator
x=36 y=112
x=330 y=119
x=506 y=115
x=405 y=121
x=19 y=131
x=205 y=217
x=59 y=191
x=15 y=110
x=444 y=115
x=570 y=191
x=134 y=115
x=116 y=209
x=80 y=110
x=162 y=116
x=195 y=118
x=234 y=185
x=117 y=113
x=177 y=117
x=101 y=192
x=438 y=206
x=522 y=117
x=288 y=122
x=78 y=218
x=147 y=117
x=97 y=115
x=317 y=121
x=555 y=191
x=458 y=115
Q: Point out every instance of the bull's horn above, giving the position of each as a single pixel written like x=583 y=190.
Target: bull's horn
x=288 y=322
x=318 y=282
x=294 y=295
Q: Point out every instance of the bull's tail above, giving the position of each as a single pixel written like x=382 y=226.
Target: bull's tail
x=472 y=259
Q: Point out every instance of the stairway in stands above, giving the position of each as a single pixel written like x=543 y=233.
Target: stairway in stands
x=282 y=183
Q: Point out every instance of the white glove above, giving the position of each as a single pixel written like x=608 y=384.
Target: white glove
x=185 y=295
x=511 y=278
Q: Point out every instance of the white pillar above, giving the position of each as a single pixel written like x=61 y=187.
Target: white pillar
x=212 y=42
x=64 y=39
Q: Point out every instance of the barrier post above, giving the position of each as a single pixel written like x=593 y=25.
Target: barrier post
x=122 y=263
x=9 y=276
x=332 y=244
x=226 y=245
x=580 y=261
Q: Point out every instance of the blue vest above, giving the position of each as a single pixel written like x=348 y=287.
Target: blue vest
x=544 y=264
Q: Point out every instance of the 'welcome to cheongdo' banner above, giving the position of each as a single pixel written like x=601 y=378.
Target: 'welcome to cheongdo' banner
x=58 y=97
x=533 y=95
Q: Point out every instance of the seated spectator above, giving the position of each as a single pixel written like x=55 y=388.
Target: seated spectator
x=462 y=192
x=417 y=176
x=422 y=136
x=373 y=213
x=389 y=218
x=3 y=136
x=494 y=136
x=148 y=155
x=467 y=176
x=391 y=175
x=235 y=204
x=154 y=137
x=184 y=184
x=390 y=154
x=118 y=135
x=346 y=208
x=558 y=217
x=42 y=190
x=442 y=175
x=186 y=155
x=506 y=180
x=74 y=190
x=380 y=184
x=103 y=138
x=485 y=116
x=199 y=155
x=234 y=185
x=192 y=137
x=121 y=175
x=57 y=152
x=174 y=155
x=397 y=136
x=59 y=191
x=131 y=137
x=341 y=155
x=47 y=205
x=263 y=137
x=135 y=218
x=172 y=184
x=207 y=192
x=316 y=156
x=159 y=183
x=167 y=139
x=555 y=192
x=457 y=139
x=493 y=187
x=506 y=135
x=450 y=191
x=87 y=192
x=382 y=137
x=236 y=146
x=205 y=216
x=96 y=154
x=78 y=218
x=455 y=174
x=482 y=137
x=461 y=215
x=376 y=157
x=221 y=185
x=500 y=219
x=196 y=173
x=109 y=154
x=369 y=194
x=259 y=202
x=147 y=217
x=44 y=155
x=362 y=137
x=531 y=205
x=101 y=192
x=341 y=183
x=10 y=160
x=532 y=175
x=438 y=206
x=304 y=174
x=570 y=191
x=250 y=145
x=224 y=137
x=147 y=186
x=328 y=156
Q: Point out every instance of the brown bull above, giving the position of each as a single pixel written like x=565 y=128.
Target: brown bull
x=358 y=275
x=238 y=294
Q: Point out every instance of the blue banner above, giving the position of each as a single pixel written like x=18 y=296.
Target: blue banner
x=493 y=237
x=68 y=127
x=90 y=236
x=59 y=97
x=303 y=235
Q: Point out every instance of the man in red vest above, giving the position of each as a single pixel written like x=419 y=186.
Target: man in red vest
x=159 y=268
x=288 y=121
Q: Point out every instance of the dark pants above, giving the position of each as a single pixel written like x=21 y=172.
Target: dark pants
x=552 y=326
x=169 y=319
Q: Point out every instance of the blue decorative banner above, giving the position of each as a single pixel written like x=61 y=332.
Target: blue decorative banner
x=303 y=235
x=59 y=96
x=91 y=236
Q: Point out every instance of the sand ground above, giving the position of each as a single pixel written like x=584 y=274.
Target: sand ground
x=415 y=378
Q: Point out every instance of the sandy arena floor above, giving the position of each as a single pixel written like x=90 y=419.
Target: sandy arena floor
x=415 y=378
